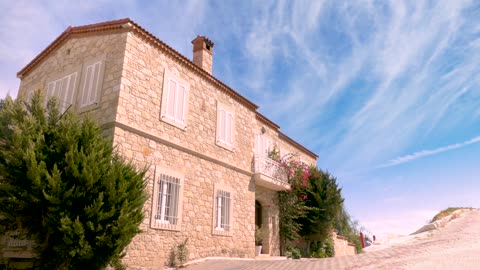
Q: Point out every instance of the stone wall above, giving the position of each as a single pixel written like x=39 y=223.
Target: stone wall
x=141 y=97
x=342 y=246
x=150 y=249
x=146 y=139
x=270 y=226
x=129 y=111
x=285 y=147
x=71 y=56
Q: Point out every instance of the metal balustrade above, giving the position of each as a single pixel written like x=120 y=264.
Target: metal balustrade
x=270 y=168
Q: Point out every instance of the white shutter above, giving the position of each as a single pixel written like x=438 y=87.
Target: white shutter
x=180 y=104
x=172 y=89
x=262 y=145
x=50 y=91
x=94 y=89
x=267 y=146
x=86 y=86
x=91 y=85
x=221 y=126
x=64 y=90
x=174 y=107
x=70 y=90
x=229 y=128
x=258 y=144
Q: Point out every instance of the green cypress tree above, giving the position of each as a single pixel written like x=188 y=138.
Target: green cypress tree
x=323 y=203
x=63 y=184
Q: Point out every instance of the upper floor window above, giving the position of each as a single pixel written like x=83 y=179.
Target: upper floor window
x=91 y=83
x=262 y=145
x=64 y=89
x=167 y=199
x=225 y=126
x=174 y=100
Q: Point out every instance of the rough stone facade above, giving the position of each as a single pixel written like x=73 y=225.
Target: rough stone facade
x=130 y=109
x=342 y=246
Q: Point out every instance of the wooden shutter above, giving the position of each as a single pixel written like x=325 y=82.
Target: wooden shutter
x=172 y=89
x=267 y=146
x=70 y=90
x=263 y=145
x=91 y=85
x=50 y=91
x=258 y=144
x=229 y=128
x=64 y=90
x=221 y=126
x=180 y=104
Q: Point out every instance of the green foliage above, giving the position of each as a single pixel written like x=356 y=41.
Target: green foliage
x=178 y=254
x=258 y=235
x=293 y=252
x=63 y=184
x=182 y=252
x=309 y=209
x=447 y=212
x=323 y=202
x=323 y=249
x=345 y=226
x=291 y=203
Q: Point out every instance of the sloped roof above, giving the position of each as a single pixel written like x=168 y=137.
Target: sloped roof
x=127 y=24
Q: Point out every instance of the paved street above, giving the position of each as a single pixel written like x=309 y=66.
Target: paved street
x=456 y=246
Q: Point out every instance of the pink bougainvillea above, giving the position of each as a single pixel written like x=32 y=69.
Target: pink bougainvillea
x=306 y=174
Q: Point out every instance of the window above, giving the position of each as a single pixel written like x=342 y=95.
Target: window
x=167 y=199
x=91 y=83
x=64 y=89
x=225 y=126
x=223 y=214
x=222 y=219
x=262 y=145
x=174 y=100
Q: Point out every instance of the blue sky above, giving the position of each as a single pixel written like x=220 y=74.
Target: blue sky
x=385 y=92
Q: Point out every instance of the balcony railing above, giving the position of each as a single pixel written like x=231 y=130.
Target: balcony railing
x=270 y=168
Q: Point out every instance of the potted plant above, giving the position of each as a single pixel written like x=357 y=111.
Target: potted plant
x=258 y=240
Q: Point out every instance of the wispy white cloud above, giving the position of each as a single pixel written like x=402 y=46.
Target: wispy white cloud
x=28 y=27
x=357 y=82
x=425 y=153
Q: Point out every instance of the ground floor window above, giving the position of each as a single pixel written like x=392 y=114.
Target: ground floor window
x=223 y=210
x=222 y=220
x=167 y=197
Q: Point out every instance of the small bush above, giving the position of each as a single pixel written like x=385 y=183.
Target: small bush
x=295 y=252
x=322 y=249
x=182 y=252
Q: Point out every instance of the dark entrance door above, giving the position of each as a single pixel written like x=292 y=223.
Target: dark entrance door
x=258 y=214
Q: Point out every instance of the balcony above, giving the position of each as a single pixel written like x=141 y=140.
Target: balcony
x=268 y=173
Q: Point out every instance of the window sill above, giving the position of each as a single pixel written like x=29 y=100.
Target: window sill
x=88 y=108
x=222 y=232
x=225 y=146
x=167 y=120
x=165 y=226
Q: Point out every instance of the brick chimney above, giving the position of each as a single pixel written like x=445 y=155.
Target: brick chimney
x=203 y=53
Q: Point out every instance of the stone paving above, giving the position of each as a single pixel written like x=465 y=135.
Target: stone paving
x=456 y=246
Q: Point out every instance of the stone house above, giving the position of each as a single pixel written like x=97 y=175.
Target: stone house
x=210 y=179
